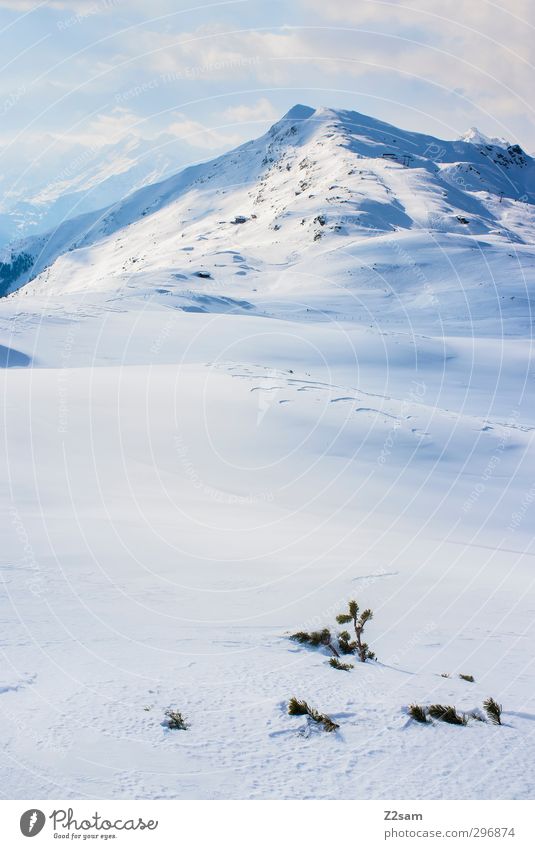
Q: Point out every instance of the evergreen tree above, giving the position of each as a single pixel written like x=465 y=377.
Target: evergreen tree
x=357 y=645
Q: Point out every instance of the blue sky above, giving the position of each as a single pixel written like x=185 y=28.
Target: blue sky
x=85 y=73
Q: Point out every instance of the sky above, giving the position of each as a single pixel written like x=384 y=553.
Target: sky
x=81 y=74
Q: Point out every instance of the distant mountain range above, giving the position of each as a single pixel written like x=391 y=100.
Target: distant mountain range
x=72 y=180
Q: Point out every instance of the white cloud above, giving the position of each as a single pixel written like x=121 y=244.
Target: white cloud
x=481 y=45
x=110 y=128
x=261 y=111
x=198 y=135
x=416 y=40
x=209 y=52
x=104 y=129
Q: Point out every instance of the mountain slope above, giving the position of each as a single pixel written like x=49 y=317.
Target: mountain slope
x=317 y=182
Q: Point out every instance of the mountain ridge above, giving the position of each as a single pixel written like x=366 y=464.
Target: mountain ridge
x=315 y=183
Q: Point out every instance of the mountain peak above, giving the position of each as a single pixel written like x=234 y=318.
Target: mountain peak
x=299 y=112
x=475 y=136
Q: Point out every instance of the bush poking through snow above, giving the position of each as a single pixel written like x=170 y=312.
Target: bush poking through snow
x=337 y=664
x=345 y=644
x=356 y=646
x=469 y=678
x=445 y=675
x=493 y=711
x=328 y=723
x=176 y=720
x=418 y=713
x=305 y=637
x=298 y=708
x=316 y=638
x=447 y=713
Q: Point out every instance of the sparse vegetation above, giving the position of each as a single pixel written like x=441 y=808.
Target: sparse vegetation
x=493 y=711
x=356 y=646
x=297 y=708
x=469 y=678
x=344 y=642
x=337 y=664
x=301 y=708
x=418 y=713
x=346 y=645
x=447 y=713
x=328 y=723
x=316 y=638
x=176 y=720
x=445 y=675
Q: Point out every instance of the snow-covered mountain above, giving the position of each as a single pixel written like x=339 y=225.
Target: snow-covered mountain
x=314 y=194
x=475 y=136
x=299 y=374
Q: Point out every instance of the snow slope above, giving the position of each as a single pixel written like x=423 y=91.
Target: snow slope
x=197 y=467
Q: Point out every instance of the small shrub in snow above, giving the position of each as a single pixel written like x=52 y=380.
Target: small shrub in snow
x=301 y=637
x=493 y=711
x=469 y=678
x=447 y=713
x=445 y=675
x=346 y=644
x=301 y=708
x=316 y=638
x=297 y=708
x=176 y=720
x=356 y=646
x=328 y=723
x=337 y=664
x=418 y=713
